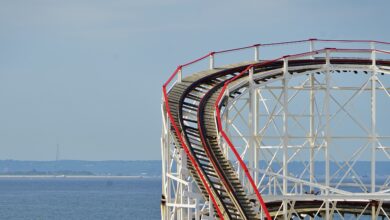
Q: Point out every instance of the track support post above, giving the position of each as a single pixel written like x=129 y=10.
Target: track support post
x=311 y=47
x=327 y=131
x=253 y=105
x=212 y=56
x=179 y=74
x=257 y=55
x=286 y=77
x=165 y=154
x=373 y=125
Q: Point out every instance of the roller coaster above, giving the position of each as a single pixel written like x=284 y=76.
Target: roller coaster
x=253 y=133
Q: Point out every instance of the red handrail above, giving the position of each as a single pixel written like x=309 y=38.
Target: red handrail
x=288 y=42
x=235 y=49
x=189 y=155
x=352 y=41
x=197 y=60
x=219 y=125
x=270 y=44
x=383 y=51
x=223 y=134
x=172 y=76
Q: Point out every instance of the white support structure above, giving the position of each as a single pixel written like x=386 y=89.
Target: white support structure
x=285 y=82
x=312 y=128
x=179 y=199
x=253 y=105
x=311 y=48
x=212 y=57
x=318 y=140
x=373 y=126
x=257 y=53
x=179 y=75
x=309 y=135
x=327 y=130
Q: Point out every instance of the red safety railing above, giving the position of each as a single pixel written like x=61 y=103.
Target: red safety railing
x=246 y=70
x=222 y=92
x=235 y=152
x=189 y=155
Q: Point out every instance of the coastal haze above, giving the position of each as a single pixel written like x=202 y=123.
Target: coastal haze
x=87 y=75
x=81 y=168
x=80 y=91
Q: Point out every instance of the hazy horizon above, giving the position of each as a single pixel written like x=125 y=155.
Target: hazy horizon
x=88 y=74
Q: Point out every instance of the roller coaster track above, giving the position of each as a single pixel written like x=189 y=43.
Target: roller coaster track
x=193 y=105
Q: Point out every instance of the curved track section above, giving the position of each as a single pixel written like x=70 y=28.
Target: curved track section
x=187 y=102
x=194 y=104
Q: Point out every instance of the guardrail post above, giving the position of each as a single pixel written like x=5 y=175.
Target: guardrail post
x=179 y=74
x=312 y=48
x=253 y=117
x=212 y=60
x=373 y=53
x=227 y=92
x=226 y=129
x=257 y=58
x=327 y=57
x=373 y=123
x=285 y=133
x=251 y=70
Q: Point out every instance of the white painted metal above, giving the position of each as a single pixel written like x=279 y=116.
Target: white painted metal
x=179 y=75
x=257 y=55
x=275 y=135
x=252 y=121
x=211 y=57
x=330 y=192
x=180 y=200
x=373 y=126
x=285 y=80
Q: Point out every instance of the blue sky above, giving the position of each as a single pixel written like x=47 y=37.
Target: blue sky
x=88 y=74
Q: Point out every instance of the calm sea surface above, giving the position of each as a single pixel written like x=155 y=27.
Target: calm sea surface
x=67 y=198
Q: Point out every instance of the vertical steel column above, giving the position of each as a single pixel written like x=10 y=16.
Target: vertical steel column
x=312 y=122
x=211 y=207
x=256 y=145
x=211 y=56
x=180 y=192
x=189 y=209
x=226 y=129
x=165 y=154
x=197 y=211
x=257 y=57
x=252 y=156
x=327 y=134
x=254 y=130
x=180 y=74
x=373 y=125
x=285 y=133
x=163 y=178
x=183 y=174
x=311 y=47
x=312 y=129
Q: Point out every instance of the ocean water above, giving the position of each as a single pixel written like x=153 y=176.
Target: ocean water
x=81 y=198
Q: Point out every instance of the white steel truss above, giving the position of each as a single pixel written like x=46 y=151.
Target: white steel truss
x=317 y=136
x=287 y=131
x=181 y=198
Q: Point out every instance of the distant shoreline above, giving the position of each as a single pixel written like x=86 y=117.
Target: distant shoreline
x=74 y=177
